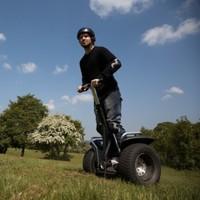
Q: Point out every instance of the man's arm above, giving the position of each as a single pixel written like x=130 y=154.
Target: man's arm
x=110 y=69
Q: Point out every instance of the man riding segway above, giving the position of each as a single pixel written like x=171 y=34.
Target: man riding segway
x=116 y=151
x=98 y=65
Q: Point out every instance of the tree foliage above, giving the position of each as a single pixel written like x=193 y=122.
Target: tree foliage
x=4 y=140
x=177 y=143
x=20 y=119
x=56 y=134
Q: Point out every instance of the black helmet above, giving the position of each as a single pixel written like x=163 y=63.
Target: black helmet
x=86 y=30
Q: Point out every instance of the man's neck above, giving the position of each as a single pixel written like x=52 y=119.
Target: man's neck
x=89 y=49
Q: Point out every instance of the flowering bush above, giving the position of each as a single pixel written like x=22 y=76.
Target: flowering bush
x=55 y=135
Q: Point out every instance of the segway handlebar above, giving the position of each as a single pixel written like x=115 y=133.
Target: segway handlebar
x=94 y=92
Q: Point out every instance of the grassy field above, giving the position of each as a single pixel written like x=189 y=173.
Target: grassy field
x=33 y=177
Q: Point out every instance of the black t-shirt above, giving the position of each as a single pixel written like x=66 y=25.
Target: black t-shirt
x=97 y=64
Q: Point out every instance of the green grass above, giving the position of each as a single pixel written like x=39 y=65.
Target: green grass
x=33 y=177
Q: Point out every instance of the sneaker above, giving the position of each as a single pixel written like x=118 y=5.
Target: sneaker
x=114 y=161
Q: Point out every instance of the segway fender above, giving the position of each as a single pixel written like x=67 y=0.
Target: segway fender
x=133 y=138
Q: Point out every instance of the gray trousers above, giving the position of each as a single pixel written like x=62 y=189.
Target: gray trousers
x=112 y=109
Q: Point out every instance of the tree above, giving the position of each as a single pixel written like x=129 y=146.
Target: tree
x=196 y=143
x=4 y=140
x=20 y=119
x=163 y=132
x=178 y=143
x=56 y=134
x=182 y=138
x=77 y=124
x=81 y=147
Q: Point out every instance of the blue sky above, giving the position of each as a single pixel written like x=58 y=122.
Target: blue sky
x=157 y=41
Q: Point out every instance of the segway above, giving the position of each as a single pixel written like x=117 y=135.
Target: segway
x=136 y=162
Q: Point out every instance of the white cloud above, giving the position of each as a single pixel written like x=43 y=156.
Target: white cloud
x=3 y=58
x=104 y=8
x=2 y=37
x=29 y=67
x=50 y=105
x=7 y=66
x=66 y=98
x=60 y=69
x=166 y=97
x=78 y=98
x=171 y=92
x=175 y=90
x=167 y=33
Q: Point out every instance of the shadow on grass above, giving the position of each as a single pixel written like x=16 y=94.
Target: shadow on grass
x=66 y=157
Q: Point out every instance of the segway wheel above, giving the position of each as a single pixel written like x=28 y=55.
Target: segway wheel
x=140 y=164
x=89 y=161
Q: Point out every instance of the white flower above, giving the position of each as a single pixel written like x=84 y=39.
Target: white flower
x=56 y=129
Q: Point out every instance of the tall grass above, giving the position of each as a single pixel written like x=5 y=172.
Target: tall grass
x=33 y=177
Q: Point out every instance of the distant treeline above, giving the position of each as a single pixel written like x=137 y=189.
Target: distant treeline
x=178 y=144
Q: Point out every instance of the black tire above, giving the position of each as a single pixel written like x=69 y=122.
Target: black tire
x=89 y=161
x=140 y=164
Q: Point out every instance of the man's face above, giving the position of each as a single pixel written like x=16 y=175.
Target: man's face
x=85 y=40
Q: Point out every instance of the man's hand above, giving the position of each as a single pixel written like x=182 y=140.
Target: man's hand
x=96 y=82
x=83 y=88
